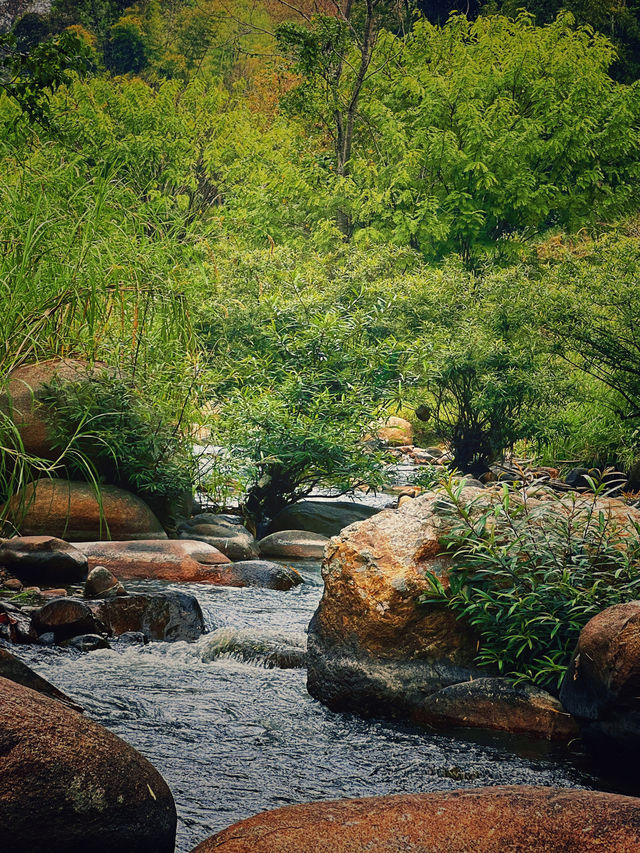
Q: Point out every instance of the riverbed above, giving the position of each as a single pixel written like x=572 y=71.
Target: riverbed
x=233 y=734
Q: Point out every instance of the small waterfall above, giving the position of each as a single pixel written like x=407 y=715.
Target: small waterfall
x=270 y=649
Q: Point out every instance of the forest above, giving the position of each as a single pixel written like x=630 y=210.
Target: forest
x=268 y=227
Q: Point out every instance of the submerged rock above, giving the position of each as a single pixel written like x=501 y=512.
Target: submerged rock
x=86 y=643
x=267 y=648
x=71 y=786
x=70 y=510
x=517 y=819
x=43 y=560
x=263 y=573
x=294 y=544
x=497 y=703
x=325 y=517
x=163 y=616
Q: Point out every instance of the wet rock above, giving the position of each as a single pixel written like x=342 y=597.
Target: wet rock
x=173 y=560
x=101 y=583
x=515 y=819
x=295 y=544
x=22 y=394
x=65 y=618
x=497 y=703
x=15 y=625
x=43 y=559
x=268 y=648
x=70 y=510
x=86 y=643
x=13 y=669
x=131 y=638
x=602 y=684
x=372 y=649
x=325 y=517
x=263 y=573
x=71 y=786
x=224 y=532
x=168 y=616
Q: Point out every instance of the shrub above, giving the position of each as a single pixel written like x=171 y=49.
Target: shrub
x=104 y=423
x=528 y=575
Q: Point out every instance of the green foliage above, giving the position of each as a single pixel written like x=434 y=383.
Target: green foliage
x=528 y=575
x=495 y=128
x=127 y=49
x=30 y=74
x=106 y=419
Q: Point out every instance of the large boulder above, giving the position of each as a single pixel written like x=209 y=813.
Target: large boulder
x=22 y=395
x=325 y=517
x=517 y=819
x=497 y=703
x=162 y=616
x=294 y=545
x=71 y=510
x=372 y=648
x=173 y=560
x=602 y=684
x=43 y=560
x=224 y=532
x=13 y=669
x=67 y=785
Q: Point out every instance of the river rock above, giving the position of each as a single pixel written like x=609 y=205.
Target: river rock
x=15 y=626
x=101 y=583
x=173 y=560
x=162 y=616
x=71 y=786
x=13 y=669
x=262 y=573
x=22 y=395
x=294 y=544
x=602 y=684
x=224 y=532
x=86 y=643
x=372 y=649
x=509 y=819
x=497 y=703
x=395 y=431
x=65 y=618
x=325 y=517
x=70 y=510
x=43 y=560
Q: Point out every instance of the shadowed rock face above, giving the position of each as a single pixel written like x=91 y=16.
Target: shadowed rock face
x=67 y=785
x=13 y=669
x=165 y=616
x=43 y=559
x=602 y=684
x=482 y=820
x=325 y=517
x=70 y=510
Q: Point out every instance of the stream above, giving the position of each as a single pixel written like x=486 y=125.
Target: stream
x=234 y=735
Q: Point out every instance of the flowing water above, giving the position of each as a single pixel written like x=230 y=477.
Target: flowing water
x=229 y=724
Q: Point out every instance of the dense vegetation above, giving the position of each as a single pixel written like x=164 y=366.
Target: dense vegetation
x=283 y=225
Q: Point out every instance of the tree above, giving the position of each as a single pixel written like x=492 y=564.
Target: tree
x=30 y=76
x=333 y=54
